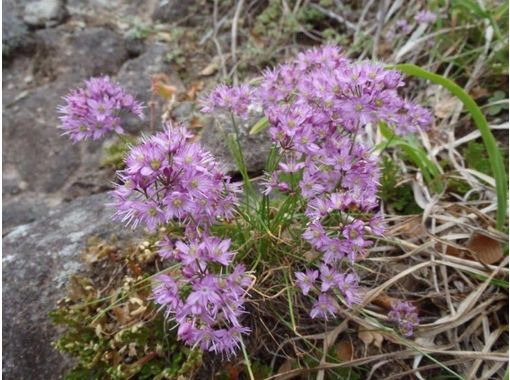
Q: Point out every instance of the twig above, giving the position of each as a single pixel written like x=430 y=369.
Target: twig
x=210 y=33
x=334 y=16
x=234 y=38
x=361 y=20
x=216 y=27
x=380 y=23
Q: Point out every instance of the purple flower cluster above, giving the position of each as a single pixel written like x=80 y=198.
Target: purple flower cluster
x=425 y=17
x=405 y=315
x=319 y=107
x=403 y=25
x=235 y=99
x=170 y=179
x=95 y=110
x=206 y=306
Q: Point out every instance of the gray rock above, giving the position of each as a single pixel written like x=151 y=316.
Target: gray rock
x=134 y=46
x=255 y=148
x=44 y=13
x=11 y=183
x=169 y=11
x=16 y=37
x=81 y=53
x=183 y=112
x=135 y=76
x=92 y=181
x=38 y=259
x=121 y=9
x=23 y=210
x=32 y=144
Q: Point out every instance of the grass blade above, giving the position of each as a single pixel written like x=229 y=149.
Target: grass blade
x=259 y=126
x=237 y=154
x=429 y=169
x=495 y=158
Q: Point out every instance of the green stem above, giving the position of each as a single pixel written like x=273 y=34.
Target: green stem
x=247 y=359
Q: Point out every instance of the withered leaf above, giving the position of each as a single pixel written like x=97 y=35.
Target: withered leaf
x=211 y=68
x=344 y=350
x=383 y=300
x=369 y=337
x=486 y=249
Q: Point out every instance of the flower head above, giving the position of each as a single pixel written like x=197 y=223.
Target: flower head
x=306 y=281
x=405 y=315
x=167 y=178
x=95 y=110
x=323 y=307
x=234 y=99
x=425 y=17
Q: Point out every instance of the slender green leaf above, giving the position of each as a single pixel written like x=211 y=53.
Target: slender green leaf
x=259 y=126
x=429 y=169
x=495 y=158
x=247 y=361
x=237 y=154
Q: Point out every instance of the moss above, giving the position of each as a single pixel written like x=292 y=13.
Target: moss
x=477 y=158
x=113 y=155
x=110 y=325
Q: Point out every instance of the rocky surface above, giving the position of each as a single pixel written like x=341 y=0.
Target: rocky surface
x=52 y=189
x=15 y=33
x=174 y=11
x=82 y=53
x=135 y=77
x=38 y=258
x=44 y=13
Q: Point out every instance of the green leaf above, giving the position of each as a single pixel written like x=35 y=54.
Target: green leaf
x=471 y=6
x=497 y=103
x=237 y=154
x=259 y=126
x=429 y=169
x=495 y=158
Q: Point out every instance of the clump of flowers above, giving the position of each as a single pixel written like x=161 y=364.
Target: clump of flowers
x=169 y=179
x=319 y=107
x=233 y=99
x=93 y=111
x=405 y=315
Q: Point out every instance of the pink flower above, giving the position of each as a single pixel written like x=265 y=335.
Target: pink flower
x=323 y=307
x=329 y=277
x=348 y=285
x=93 y=111
x=425 y=17
x=306 y=280
x=218 y=250
x=405 y=315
